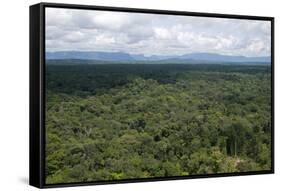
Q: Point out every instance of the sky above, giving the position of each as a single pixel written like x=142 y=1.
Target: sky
x=154 y=34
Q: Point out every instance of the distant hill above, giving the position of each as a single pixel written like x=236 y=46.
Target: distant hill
x=126 y=57
x=106 y=56
x=223 y=58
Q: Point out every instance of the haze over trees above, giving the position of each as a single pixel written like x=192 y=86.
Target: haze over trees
x=124 y=121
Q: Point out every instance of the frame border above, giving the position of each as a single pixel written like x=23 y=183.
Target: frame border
x=37 y=93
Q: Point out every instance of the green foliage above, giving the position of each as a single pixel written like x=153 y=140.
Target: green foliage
x=110 y=122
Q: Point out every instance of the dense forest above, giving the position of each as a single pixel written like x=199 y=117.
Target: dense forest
x=124 y=121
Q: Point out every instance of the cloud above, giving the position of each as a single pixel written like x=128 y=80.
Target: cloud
x=103 y=39
x=152 y=34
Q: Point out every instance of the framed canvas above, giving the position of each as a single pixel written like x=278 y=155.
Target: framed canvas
x=123 y=95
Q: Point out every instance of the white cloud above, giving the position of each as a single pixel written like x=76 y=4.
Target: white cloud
x=103 y=39
x=163 y=33
x=151 y=34
x=108 y=21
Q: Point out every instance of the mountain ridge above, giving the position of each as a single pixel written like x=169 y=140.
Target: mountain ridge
x=122 y=56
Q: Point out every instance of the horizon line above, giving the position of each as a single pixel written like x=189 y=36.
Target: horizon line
x=221 y=54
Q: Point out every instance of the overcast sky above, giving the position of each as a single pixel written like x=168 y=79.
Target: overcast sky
x=152 y=34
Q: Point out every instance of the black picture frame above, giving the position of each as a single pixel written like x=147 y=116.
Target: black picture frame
x=37 y=92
